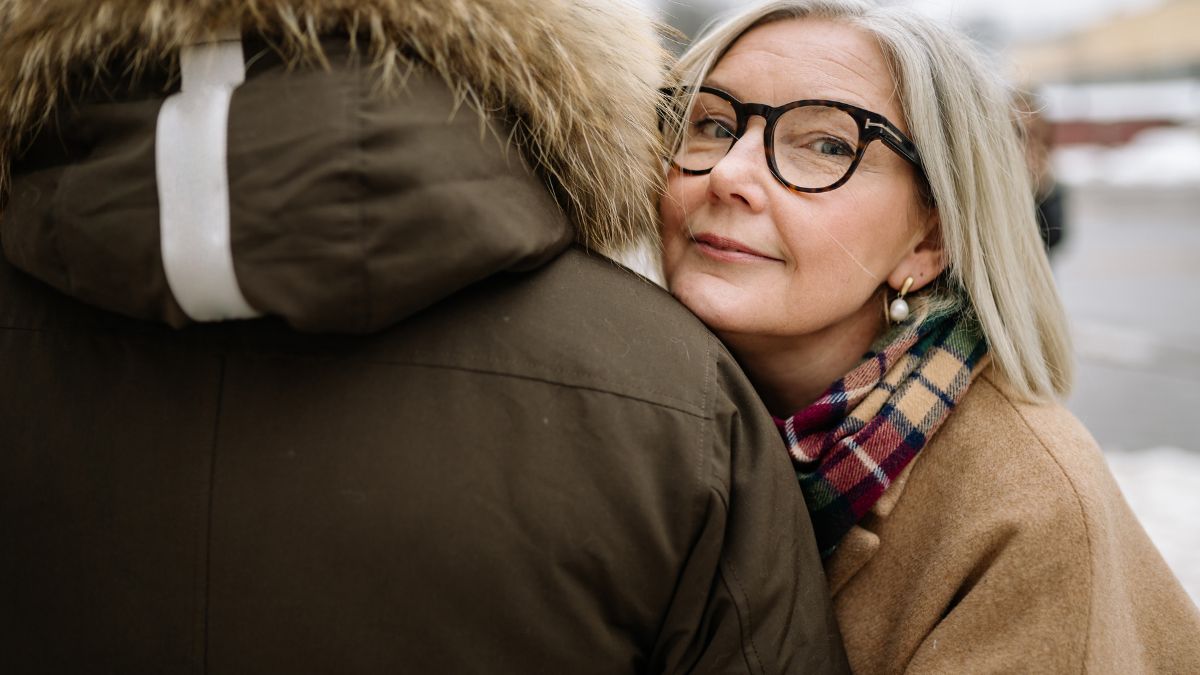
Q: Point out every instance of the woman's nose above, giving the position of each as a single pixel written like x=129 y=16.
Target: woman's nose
x=739 y=176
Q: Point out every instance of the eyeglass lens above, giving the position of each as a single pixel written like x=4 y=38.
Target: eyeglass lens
x=814 y=145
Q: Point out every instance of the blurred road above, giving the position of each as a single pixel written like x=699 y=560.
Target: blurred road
x=1130 y=279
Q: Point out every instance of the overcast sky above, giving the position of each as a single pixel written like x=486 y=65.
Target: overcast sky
x=1016 y=20
x=1028 y=19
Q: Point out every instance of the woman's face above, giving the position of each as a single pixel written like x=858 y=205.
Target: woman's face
x=752 y=258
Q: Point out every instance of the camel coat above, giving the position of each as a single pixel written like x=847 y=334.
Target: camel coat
x=1006 y=546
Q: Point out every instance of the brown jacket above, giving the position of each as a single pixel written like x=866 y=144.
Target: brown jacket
x=1006 y=547
x=526 y=460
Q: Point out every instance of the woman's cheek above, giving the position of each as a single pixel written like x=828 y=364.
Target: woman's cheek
x=670 y=210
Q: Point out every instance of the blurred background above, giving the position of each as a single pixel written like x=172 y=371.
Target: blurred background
x=1114 y=93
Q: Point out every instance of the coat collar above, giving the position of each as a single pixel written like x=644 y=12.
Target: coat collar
x=862 y=542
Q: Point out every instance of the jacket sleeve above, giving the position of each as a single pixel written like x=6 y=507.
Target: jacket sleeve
x=752 y=596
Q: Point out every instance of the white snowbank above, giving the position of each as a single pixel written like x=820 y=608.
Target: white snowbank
x=1160 y=486
x=1165 y=156
x=1177 y=100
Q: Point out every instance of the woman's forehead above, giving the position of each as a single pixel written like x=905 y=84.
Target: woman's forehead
x=807 y=58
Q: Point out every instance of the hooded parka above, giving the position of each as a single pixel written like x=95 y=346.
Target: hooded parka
x=439 y=433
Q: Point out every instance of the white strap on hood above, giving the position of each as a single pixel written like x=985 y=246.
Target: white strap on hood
x=193 y=182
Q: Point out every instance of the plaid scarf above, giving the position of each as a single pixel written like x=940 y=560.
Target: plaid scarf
x=850 y=444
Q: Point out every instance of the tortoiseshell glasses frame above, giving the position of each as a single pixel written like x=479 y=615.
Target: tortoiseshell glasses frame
x=871 y=126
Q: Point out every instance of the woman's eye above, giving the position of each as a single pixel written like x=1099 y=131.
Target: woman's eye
x=711 y=128
x=832 y=146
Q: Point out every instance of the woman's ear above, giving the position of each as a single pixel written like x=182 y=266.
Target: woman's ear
x=926 y=258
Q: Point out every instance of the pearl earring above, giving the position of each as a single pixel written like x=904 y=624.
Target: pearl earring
x=898 y=311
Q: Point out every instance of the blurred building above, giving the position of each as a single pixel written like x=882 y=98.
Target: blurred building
x=1161 y=42
x=1123 y=97
x=1108 y=83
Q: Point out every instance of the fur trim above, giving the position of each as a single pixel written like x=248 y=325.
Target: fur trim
x=578 y=78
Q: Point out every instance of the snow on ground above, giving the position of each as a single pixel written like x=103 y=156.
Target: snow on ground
x=1177 y=100
x=1163 y=157
x=1160 y=485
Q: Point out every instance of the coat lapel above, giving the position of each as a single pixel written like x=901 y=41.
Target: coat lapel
x=862 y=541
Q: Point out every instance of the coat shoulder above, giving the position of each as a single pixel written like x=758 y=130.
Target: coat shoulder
x=581 y=321
x=1036 y=478
x=1010 y=548
x=1036 y=459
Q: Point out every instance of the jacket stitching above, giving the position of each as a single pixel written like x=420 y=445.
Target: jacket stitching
x=210 y=507
x=731 y=581
x=497 y=367
x=167 y=341
x=749 y=649
x=703 y=414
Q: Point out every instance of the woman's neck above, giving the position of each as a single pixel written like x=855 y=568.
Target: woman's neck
x=791 y=372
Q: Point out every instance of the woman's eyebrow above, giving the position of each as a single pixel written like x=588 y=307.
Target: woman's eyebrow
x=718 y=85
x=826 y=97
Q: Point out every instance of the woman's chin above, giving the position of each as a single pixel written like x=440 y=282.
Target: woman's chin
x=721 y=305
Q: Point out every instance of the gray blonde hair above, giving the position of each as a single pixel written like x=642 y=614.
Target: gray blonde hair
x=959 y=114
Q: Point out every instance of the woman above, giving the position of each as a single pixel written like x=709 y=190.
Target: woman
x=967 y=521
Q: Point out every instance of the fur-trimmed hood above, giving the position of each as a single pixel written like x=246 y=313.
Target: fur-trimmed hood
x=578 y=76
x=574 y=83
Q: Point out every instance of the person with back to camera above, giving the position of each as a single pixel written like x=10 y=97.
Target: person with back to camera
x=518 y=457
x=834 y=161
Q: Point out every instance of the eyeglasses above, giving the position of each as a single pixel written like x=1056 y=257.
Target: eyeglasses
x=811 y=145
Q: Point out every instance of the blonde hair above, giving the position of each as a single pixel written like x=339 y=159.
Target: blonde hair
x=959 y=114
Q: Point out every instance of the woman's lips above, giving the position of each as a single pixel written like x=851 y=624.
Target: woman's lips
x=729 y=250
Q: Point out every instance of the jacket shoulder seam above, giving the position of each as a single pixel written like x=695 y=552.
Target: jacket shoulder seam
x=678 y=405
x=703 y=414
